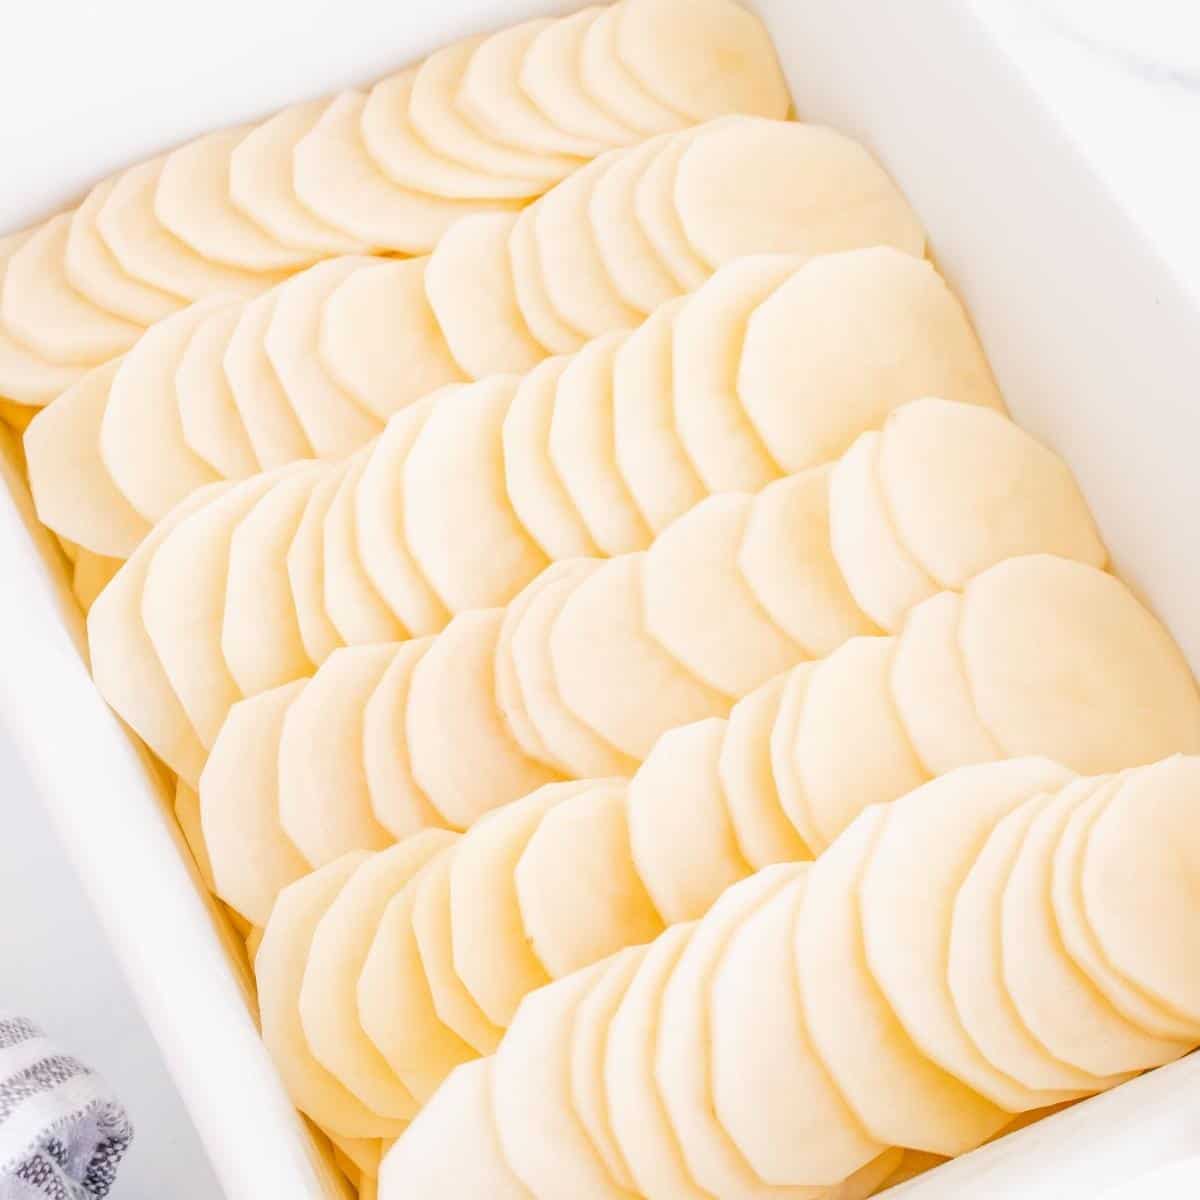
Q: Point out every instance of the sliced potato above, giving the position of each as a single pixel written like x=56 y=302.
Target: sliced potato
x=463 y=756
x=91 y=575
x=544 y=323
x=324 y=803
x=654 y=204
x=682 y=839
x=581 y=449
x=579 y=892
x=187 y=817
x=306 y=568
x=787 y=778
x=253 y=859
x=900 y=1097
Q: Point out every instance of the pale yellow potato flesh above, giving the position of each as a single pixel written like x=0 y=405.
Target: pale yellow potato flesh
x=72 y=490
x=381 y=341
x=579 y=892
x=193 y=202
x=329 y=990
x=472 y=297
x=306 y=569
x=545 y=326
x=396 y=1005
x=654 y=206
x=783 y=751
x=252 y=857
x=397 y=800
x=41 y=309
x=91 y=575
x=324 y=803
x=187 y=816
x=699 y=605
x=211 y=424
x=362 y=1153
x=681 y=836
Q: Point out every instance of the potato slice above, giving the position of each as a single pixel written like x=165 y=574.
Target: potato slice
x=466 y=537
x=654 y=204
x=579 y=892
x=1126 y=996
x=786 y=558
x=279 y=969
x=433 y=111
x=534 y=486
x=266 y=413
x=333 y=422
x=44 y=312
x=358 y=612
x=844 y=342
x=760 y=827
x=993 y=491
x=749 y=185
x=72 y=490
x=1140 y=852
x=850 y=691
x=324 y=804
x=571 y=744
x=337 y=181
x=397 y=801
x=549 y=75
x=699 y=606
x=472 y=300
x=192 y=201
x=379 y=518
x=721 y=441
x=261 y=182
x=884 y=578
x=431 y=924
x=306 y=568
x=1055 y=1000
x=541 y=1135
x=576 y=281
x=609 y=82
x=493 y=955
x=683 y=1060
x=611 y=674
x=769 y=1088
x=124 y=663
x=462 y=754
x=183 y=604
x=363 y=1154
x=681 y=836
x=901 y=1097
x=94 y=272
x=581 y=449
x=1074 y=631
x=27 y=379
x=429 y=1163
x=329 y=989
x=253 y=859
x=783 y=746
x=380 y=340
x=396 y=1005
x=149 y=252
x=187 y=817
x=260 y=633
x=411 y=161
x=647 y=448
x=92 y=574
x=627 y=255
x=211 y=424
x=639 y=1118
x=975 y=967
x=544 y=324
x=702 y=59
x=907 y=916
x=492 y=98
x=141 y=438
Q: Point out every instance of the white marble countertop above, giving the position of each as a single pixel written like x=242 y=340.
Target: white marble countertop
x=1125 y=80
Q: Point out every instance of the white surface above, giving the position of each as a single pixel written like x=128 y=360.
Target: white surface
x=131 y=76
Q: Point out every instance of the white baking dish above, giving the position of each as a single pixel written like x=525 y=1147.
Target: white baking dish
x=1095 y=345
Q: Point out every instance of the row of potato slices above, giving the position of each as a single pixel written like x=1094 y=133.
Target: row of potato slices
x=767 y=369
x=314 y=367
x=595 y=659
x=433 y=943
x=484 y=124
x=1042 y=948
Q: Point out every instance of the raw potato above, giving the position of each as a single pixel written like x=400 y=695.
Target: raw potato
x=187 y=816
x=91 y=575
x=306 y=568
x=548 y=329
x=654 y=205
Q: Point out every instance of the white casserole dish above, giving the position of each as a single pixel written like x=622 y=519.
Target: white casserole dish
x=1095 y=345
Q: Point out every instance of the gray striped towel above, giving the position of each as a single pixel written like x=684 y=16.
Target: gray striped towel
x=62 y=1133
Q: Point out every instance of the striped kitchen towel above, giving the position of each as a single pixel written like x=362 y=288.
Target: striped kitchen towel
x=62 y=1133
